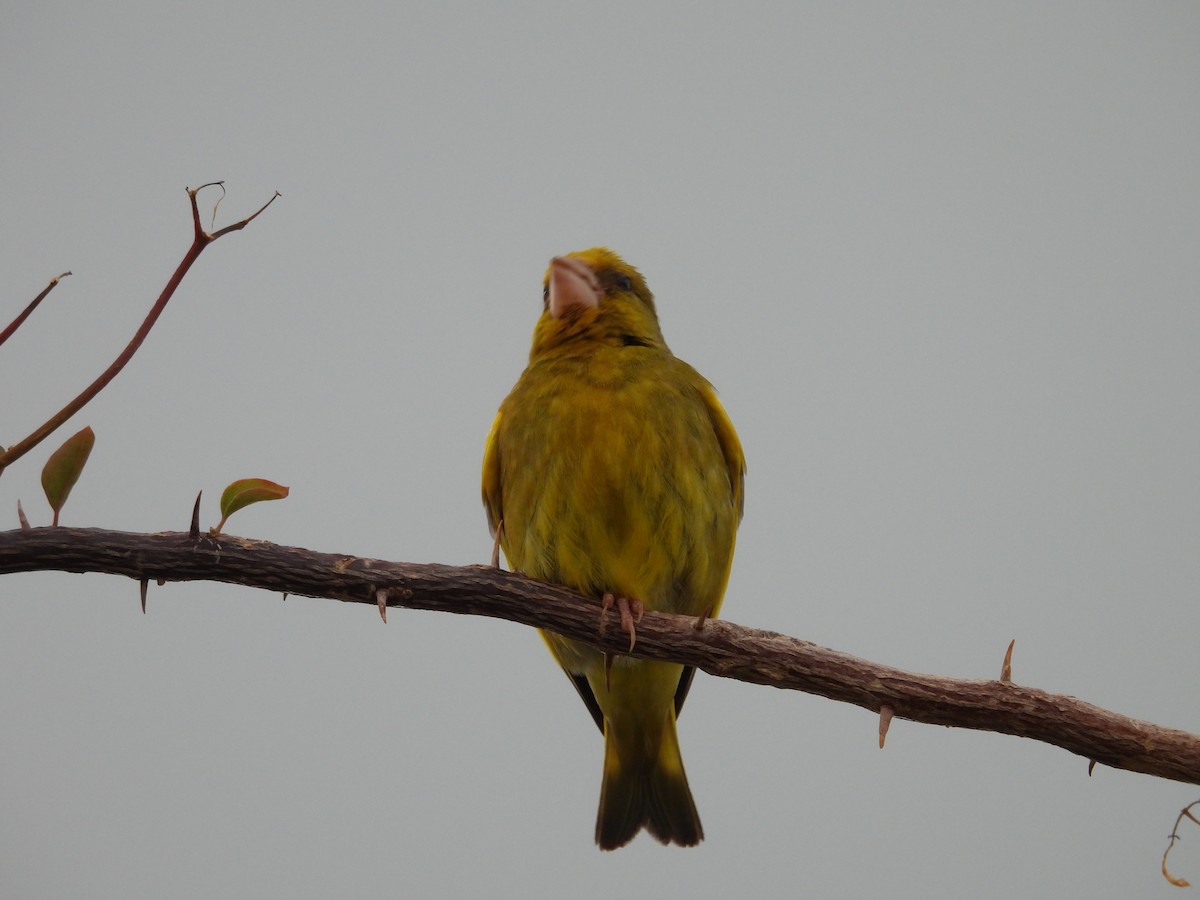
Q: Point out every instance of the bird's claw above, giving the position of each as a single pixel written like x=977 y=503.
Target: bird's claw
x=631 y=611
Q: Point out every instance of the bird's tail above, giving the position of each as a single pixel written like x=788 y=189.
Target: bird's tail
x=641 y=790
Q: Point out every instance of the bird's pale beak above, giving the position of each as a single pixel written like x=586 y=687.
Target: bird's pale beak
x=573 y=285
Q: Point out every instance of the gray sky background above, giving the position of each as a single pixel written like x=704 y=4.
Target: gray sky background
x=940 y=260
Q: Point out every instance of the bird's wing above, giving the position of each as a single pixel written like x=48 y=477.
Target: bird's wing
x=735 y=463
x=492 y=493
x=731 y=447
x=685 y=685
x=588 y=698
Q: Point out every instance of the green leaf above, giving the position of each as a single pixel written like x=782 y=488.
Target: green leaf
x=244 y=492
x=63 y=467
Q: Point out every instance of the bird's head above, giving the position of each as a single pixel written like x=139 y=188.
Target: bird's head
x=595 y=296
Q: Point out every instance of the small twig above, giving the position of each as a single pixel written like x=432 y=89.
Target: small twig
x=33 y=304
x=201 y=240
x=236 y=226
x=1185 y=813
x=217 y=205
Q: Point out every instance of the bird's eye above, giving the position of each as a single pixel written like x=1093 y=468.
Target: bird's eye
x=545 y=295
x=623 y=283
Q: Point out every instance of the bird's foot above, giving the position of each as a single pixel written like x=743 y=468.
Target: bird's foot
x=631 y=611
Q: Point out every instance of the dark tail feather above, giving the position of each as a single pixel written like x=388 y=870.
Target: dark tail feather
x=646 y=793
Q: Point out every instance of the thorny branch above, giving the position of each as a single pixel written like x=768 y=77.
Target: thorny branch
x=719 y=647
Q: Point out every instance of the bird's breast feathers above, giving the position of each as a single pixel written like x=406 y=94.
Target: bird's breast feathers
x=618 y=484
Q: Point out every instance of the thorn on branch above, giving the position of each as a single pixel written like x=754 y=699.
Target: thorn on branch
x=1006 y=667
x=144 y=587
x=194 y=528
x=381 y=598
x=885 y=722
x=21 y=517
x=1091 y=767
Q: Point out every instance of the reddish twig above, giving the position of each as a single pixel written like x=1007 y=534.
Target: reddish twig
x=33 y=304
x=201 y=240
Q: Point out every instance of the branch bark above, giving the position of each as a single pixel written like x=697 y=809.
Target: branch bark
x=720 y=648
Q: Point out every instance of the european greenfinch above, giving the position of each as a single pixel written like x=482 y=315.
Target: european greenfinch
x=613 y=469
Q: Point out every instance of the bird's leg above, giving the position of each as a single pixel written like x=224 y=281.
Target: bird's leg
x=496 y=545
x=631 y=612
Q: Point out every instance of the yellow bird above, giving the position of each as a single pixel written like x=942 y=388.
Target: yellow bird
x=612 y=468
